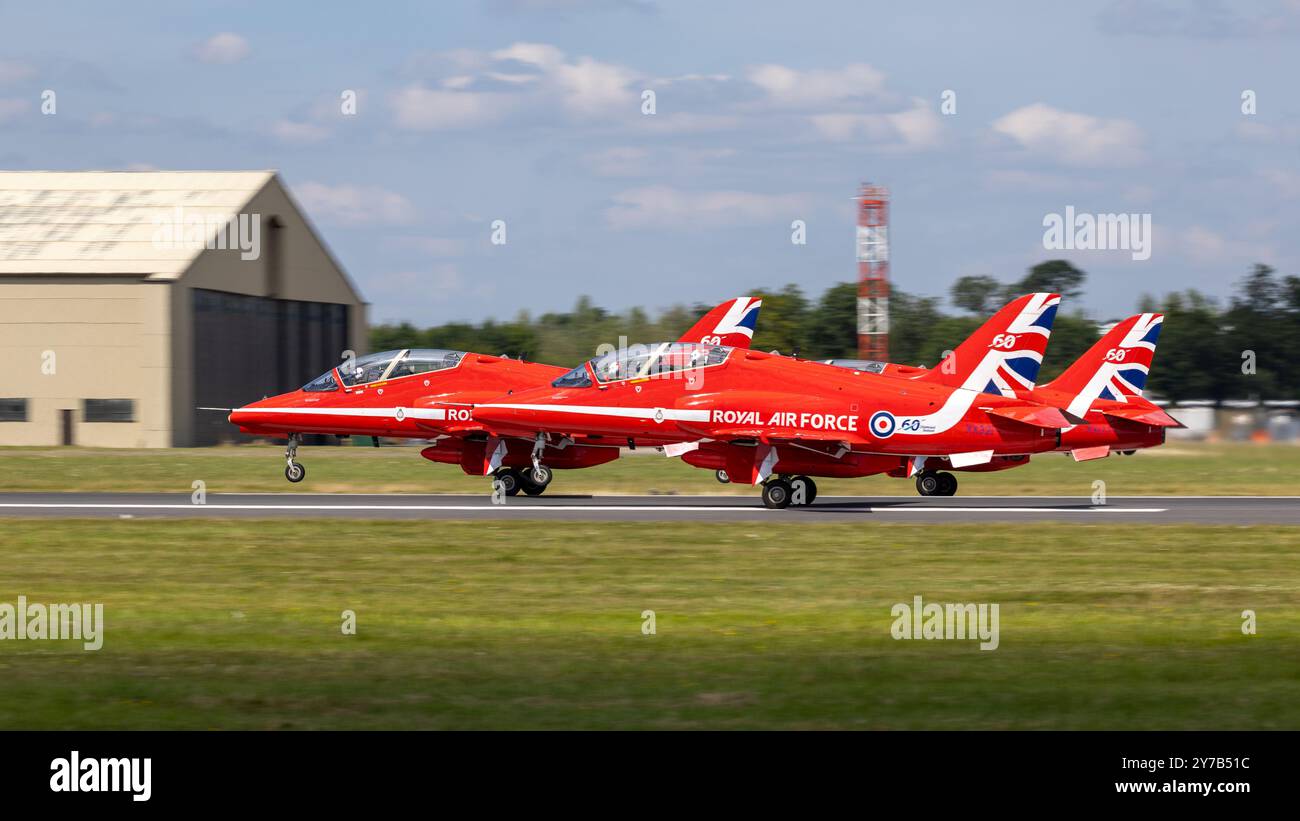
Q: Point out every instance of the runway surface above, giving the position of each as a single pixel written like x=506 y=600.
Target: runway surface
x=1236 y=510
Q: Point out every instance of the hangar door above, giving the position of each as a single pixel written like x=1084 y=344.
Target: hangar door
x=248 y=347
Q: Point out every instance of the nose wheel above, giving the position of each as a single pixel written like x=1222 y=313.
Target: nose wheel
x=293 y=471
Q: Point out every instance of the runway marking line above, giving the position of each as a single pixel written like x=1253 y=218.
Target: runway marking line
x=569 y=508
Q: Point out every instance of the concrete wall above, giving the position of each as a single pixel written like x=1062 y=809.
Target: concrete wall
x=109 y=339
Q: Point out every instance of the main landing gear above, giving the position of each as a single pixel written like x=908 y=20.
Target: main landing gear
x=783 y=491
x=532 y=481
x=933 y=483
x=293 y=471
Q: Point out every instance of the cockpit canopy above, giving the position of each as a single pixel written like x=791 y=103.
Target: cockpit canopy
x=386 y=365
x=867 y=365
x=644 y=362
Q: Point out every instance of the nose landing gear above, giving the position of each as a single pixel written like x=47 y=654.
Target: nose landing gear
x=293 y=471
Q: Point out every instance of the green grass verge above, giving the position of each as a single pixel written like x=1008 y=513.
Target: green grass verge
x=235 y=624
x=1178 y=469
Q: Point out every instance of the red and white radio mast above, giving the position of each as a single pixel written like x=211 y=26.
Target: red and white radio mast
x=873 y=272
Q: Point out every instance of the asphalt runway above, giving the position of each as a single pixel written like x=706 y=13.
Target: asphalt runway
x=1232 y=510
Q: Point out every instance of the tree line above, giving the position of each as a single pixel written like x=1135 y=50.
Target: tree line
x=1244 y=348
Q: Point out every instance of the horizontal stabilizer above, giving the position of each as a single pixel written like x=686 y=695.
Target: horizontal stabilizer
x=1041 y=416
x=1144 y=416
x=1086 y=454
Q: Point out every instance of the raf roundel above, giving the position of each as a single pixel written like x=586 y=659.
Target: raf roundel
x=882 y=424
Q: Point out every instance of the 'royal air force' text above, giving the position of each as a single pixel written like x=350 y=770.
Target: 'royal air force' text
x=788 y=419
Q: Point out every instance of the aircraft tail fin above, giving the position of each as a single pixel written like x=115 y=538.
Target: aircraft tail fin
x=1003 y=356
x=1115 y=367
x=731 y=323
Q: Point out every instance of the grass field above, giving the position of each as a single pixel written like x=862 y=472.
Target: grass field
x=1178 y=469
x=235 y=624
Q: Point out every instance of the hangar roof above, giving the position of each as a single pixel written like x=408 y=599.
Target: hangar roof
x=109 y=222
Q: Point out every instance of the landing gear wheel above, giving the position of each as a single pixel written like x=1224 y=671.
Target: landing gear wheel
x=540 y=475
x=530 y=486
x=808 y=486
x=293 y=471
x=776 y=494
x=927 y=484
x=508 y=481
x=721 y=476
x=947 y=485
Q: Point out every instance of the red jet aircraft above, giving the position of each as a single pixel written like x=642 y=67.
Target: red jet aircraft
x=1103 y=387
x=426 y=394
x=778 y=421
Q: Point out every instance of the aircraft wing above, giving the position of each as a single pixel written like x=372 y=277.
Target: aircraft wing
x=790 y=436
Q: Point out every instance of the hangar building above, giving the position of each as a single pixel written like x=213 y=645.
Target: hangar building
x=129 y=299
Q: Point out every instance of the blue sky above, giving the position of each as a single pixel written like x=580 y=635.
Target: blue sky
x=530 y=111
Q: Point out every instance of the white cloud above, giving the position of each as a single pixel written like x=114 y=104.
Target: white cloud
x=661 y=206
x=354 y=205
x=584 y=86
x=226 y=47
x=788 y=86
x=299 y=132
x=13 y=72
x=427 y=109
x=1204 y=246
x=915 y=127
x=590 y=87
x=486 y=87
x=1264 y=133
x=1072 y=138
x=13 y=107
x=541 y=55
x=1285 y=181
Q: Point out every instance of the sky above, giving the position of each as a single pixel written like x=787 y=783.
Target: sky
x=981 y=118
